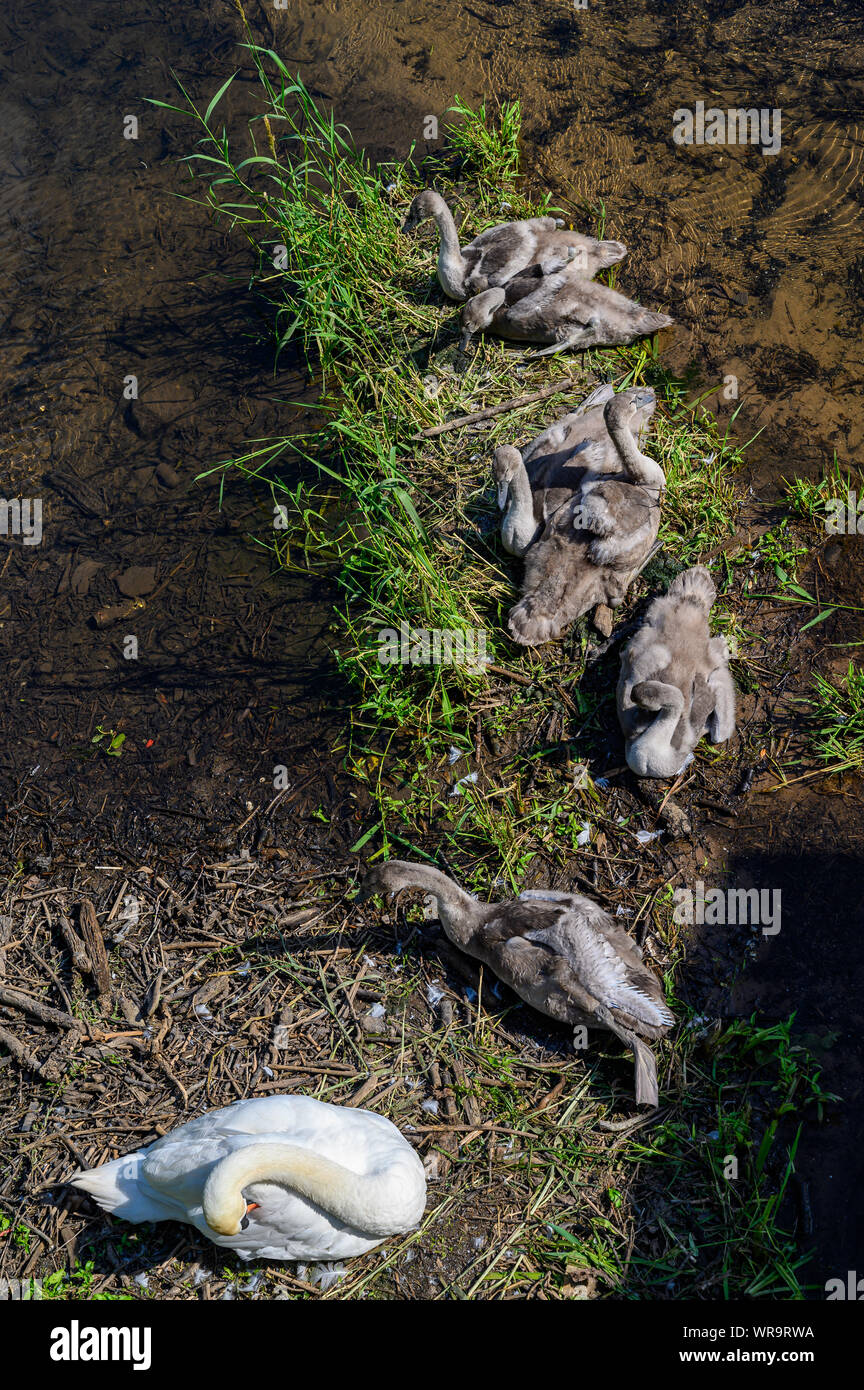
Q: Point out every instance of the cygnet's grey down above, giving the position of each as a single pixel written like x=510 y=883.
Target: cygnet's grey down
x=564 y=310
x=497 y=255
x=675 y=684
x=593 y=544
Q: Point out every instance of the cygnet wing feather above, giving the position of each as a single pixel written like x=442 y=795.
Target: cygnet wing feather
x=599 y=967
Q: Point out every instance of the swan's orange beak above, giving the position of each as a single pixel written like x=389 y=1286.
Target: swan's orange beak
x=252 y=1206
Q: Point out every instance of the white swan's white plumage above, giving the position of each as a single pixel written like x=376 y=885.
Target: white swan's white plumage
x=282 y=1178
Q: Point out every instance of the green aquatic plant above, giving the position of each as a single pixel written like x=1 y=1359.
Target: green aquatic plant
x=486 y=149
x=781 y=551
x=836 y=719
x=816 y=499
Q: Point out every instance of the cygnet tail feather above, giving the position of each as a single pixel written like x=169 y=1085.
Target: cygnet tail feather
x=646 y=1073
x=650 y=322
x=695 y=586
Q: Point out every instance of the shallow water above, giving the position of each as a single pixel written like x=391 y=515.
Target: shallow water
x=106 y=276
x=758 y=257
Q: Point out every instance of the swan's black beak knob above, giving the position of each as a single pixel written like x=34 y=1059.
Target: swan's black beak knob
x=251 y=1206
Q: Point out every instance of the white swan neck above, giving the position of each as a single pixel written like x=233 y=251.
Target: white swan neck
x=368 y=1203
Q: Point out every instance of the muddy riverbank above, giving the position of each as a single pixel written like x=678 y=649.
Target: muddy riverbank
x=758 y=257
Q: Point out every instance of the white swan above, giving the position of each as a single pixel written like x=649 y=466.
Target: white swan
x=279 y=1178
